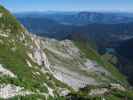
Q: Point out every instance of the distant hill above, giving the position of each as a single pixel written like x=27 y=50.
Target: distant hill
x=110 y=33
x=81 y=18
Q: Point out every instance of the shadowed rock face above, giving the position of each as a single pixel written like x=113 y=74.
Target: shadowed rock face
x=125 y=56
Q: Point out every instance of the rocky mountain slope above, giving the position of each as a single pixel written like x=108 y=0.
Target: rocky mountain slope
x=33 y=67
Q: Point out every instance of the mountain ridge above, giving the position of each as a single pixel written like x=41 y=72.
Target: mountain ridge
x=33 y=67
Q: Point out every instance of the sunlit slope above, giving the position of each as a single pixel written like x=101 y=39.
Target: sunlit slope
x=33 y=67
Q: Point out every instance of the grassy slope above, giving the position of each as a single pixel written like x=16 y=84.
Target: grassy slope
x=15 y=61
x=9 y=22
x=93 y=55
x=113 y=94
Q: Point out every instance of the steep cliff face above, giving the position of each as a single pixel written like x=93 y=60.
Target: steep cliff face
x=33 y=67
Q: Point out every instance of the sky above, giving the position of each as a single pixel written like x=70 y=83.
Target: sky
x=68 y=5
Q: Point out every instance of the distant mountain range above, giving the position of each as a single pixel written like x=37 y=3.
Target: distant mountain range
x=110 y=27
x=81 y=18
